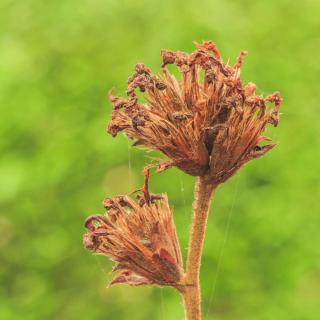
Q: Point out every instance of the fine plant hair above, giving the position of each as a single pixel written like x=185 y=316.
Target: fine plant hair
x=208 y=124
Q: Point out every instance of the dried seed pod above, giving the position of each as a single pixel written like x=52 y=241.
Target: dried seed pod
x=207 y=125
x=140 y=236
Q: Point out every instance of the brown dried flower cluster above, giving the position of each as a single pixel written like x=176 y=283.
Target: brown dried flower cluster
x=207 y=123
x=141 y=237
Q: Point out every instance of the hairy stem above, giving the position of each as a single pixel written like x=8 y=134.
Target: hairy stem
x=191 y=292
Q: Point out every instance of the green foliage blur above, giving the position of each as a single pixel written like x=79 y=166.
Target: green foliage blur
x=58 y=59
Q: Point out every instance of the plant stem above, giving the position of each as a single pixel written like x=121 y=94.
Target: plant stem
x=191 y=292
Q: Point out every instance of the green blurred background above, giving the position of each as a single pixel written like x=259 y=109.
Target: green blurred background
x=57 y=61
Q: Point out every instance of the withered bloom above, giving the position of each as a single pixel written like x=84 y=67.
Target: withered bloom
x=141 y=237
x=207 y=123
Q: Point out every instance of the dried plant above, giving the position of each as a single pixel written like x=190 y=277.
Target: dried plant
x=209 y=125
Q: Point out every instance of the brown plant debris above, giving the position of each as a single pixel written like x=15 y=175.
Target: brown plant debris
x=207 y=123
x=140 y=236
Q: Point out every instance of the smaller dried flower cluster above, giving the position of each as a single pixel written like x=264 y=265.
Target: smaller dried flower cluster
x=207 y=123
x=141 y=237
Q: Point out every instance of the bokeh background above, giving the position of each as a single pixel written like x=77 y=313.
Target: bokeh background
x=58 y=59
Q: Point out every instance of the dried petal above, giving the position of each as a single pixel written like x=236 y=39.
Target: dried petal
x=130 y=278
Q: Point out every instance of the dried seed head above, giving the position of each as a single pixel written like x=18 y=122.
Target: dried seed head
x=140 y=236
x=208 y=125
